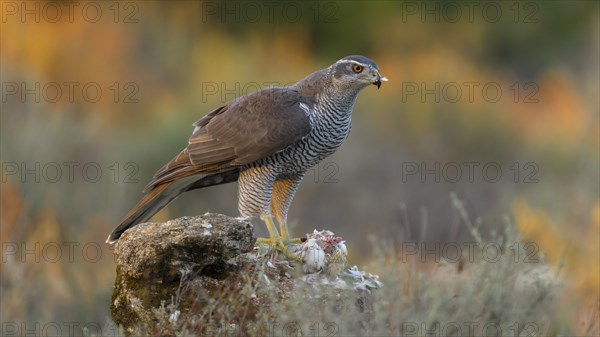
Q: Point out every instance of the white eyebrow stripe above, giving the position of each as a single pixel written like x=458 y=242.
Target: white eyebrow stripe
x=350 y=61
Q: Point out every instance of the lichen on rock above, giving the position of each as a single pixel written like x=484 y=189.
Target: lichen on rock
x=192 y=271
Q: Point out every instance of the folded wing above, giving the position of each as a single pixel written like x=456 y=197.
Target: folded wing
x=240 y=132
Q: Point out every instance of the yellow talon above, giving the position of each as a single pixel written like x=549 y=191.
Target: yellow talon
x=279 y=242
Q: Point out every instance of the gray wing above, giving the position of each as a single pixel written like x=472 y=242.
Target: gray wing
x=240 y=132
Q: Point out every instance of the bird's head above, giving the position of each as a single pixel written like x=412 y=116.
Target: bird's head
x=356 y=72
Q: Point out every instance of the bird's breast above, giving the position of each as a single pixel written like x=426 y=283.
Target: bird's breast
x=326 y=136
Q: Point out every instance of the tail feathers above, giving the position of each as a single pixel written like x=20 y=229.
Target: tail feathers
x=152 y=202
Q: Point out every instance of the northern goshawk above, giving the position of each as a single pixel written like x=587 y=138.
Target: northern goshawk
x=266 y=141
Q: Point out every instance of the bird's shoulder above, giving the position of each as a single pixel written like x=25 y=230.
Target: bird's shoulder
x=275 y=113
x=268 y=103
x=251 y=127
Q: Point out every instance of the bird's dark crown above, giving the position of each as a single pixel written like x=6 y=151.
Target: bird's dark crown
x=360 y=59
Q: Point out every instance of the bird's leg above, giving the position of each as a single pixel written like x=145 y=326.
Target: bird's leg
x=283 y=229
x=273 y=233
x=257 y=188
x=284 y=189
x=275 y=240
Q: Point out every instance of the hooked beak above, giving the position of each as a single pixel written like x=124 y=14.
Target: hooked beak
x=378 y=80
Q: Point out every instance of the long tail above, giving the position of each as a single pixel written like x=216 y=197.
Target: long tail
x=152 y=202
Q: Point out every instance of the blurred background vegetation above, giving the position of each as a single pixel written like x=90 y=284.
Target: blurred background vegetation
x=162 y=65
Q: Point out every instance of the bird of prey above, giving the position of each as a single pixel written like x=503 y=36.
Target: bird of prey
x=266 y=141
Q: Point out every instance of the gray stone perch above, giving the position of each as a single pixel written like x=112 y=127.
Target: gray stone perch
x=193 y=272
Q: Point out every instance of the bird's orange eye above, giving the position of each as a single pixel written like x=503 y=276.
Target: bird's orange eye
x=357 y=68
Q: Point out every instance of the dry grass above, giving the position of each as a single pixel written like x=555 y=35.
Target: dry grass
x=510 y=294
